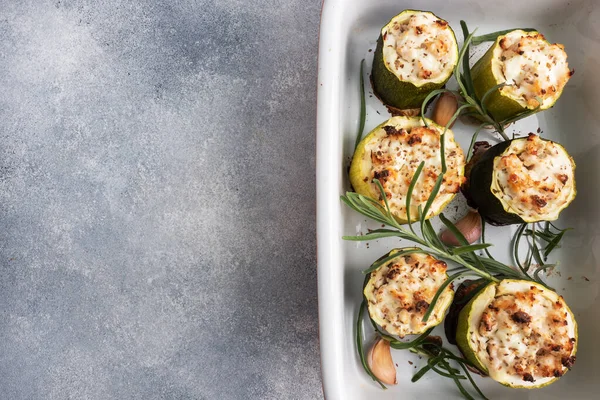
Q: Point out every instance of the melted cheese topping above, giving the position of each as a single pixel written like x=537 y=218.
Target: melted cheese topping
x=535 y=178
x=419 y=48
x=399 y=293
x=395 y=154
x=525 y=336
x=532 y=67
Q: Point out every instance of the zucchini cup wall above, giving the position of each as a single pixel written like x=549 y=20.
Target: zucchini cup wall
x=416 y=54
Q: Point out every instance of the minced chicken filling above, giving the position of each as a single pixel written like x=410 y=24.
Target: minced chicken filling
x=395 y=156
x=532 y=67
x=420 y=47
x=535 y=178
x=401 y=291
x=526 y=334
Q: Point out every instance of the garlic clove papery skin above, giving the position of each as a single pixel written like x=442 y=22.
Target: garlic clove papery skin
x=444 y=109
x=469 y=226
x=381 y=363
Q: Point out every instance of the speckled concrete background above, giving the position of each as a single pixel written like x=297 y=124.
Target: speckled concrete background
x=157 y=199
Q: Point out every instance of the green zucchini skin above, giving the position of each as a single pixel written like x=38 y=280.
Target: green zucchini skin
x=394 y=92
x=501 y=107
x=478 y=189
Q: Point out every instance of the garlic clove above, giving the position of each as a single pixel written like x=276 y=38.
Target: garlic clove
x=444 y=109
x=381 y=363
x=469 y=226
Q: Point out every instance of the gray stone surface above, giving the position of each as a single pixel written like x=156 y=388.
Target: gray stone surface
x=157 y=199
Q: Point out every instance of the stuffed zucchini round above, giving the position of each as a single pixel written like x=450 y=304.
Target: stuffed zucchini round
x=393 y=151
x=532 y=69
x=416 y=54
x=399 y=293
x=522 y=180
x=520 y=333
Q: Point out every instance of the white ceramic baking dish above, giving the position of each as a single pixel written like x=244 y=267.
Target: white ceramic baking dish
x=349 y=30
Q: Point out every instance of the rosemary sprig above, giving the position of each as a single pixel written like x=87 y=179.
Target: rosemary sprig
x=441 y=289
x=363 y=107
x=487 y=252
x=359 y=345
x=549 y=234
x=473 y=141
x=516 y=241
x=468 y=81
x=374 y=210
x=439 y=359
